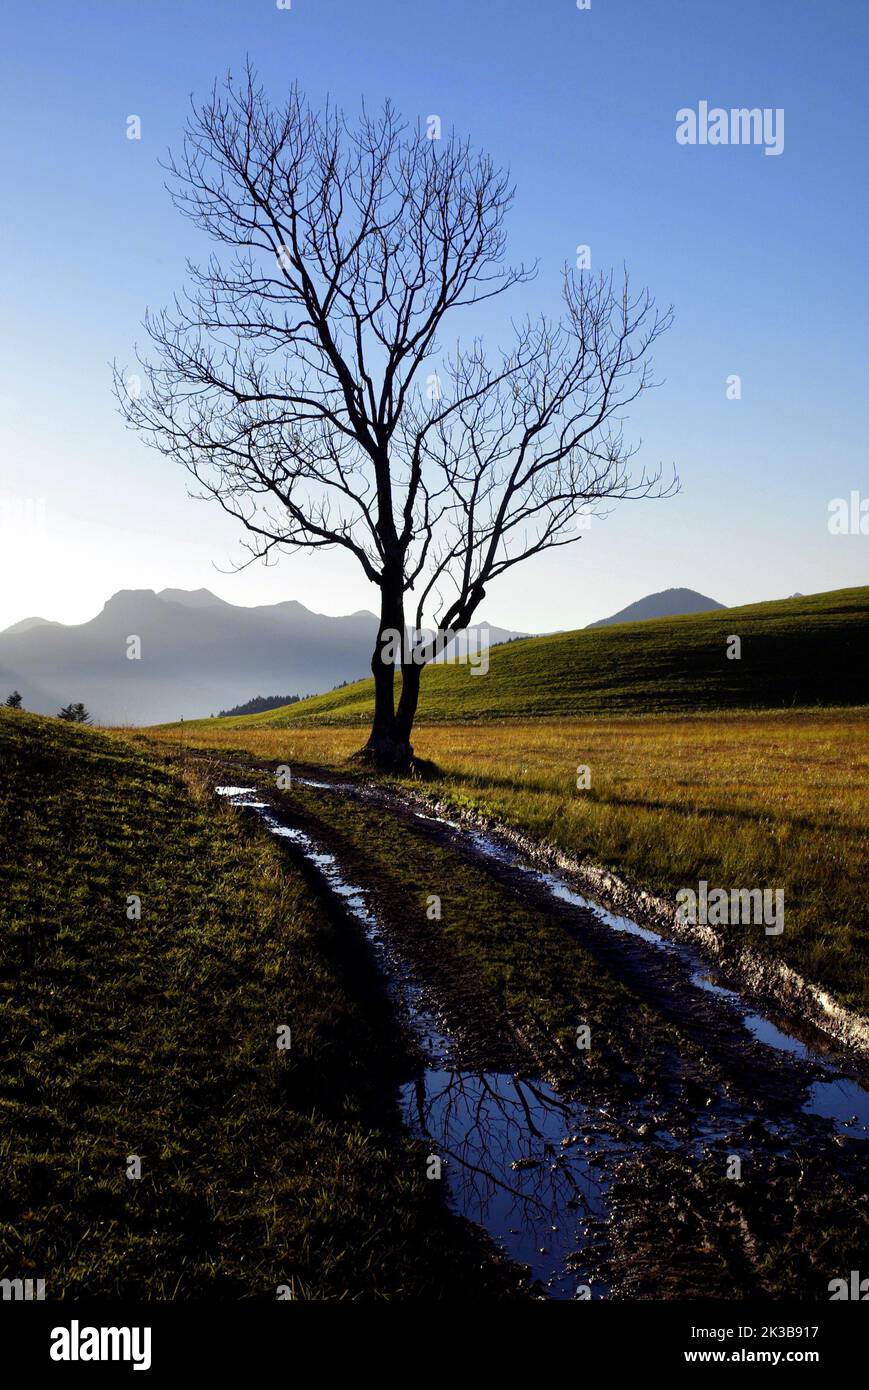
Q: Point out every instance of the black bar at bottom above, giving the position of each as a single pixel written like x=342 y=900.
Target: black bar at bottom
x=613 y=1337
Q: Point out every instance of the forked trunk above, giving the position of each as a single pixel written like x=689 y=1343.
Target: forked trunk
x=411 y=673
x=389 y=748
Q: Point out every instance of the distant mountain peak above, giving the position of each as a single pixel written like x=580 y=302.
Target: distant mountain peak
x=667 y=603
x=26 y=624
x=124 y=597
x=128 y=593
x=192 y=598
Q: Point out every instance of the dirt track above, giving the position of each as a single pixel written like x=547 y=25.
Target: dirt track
x=694 y=1169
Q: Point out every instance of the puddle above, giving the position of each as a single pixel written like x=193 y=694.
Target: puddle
x=437 y=820
x=499 y=1137
x=703 y=979
x=500 y=1140
x=559 y=889
x=843 y=1101
x=766 y=1032
x=824 y=1098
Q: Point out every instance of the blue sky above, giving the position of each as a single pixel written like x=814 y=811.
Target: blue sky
x=762 y=257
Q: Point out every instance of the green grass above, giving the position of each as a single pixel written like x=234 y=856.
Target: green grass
x=157 y=1038
x=523 y=959
x=796 y=652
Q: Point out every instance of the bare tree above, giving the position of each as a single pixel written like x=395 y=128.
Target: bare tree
x=300 y=380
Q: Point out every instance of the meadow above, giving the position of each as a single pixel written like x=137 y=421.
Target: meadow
x=746 y=773
x=742 y=799
x=153 y=1037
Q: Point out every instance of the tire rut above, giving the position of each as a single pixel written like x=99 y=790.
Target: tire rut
x=718 y=1094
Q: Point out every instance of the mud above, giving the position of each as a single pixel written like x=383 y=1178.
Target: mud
x=604 y=1187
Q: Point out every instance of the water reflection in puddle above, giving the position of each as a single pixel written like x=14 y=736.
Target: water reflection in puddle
x=515 y=1161
x=766 y=1032
x=824 y=1098
x=559 y=889
x=703 y=979
x=843 y=1101
x=513 y=1152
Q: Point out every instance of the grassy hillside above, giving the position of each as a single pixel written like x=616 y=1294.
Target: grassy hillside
x=156 y=1038
x=796 y=652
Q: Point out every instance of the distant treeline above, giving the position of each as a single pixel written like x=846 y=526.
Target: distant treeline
x=260 y=703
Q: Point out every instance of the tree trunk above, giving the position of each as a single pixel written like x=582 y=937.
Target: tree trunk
x=389 y=747
x=411 y=673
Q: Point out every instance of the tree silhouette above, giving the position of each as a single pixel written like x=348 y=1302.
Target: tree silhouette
x=13 y=701
x=74 y=714
x=300 y=380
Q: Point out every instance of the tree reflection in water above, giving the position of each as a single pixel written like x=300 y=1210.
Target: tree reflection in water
x=481 y=1125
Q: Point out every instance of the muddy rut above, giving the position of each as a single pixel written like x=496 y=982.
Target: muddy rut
x=705 y=1149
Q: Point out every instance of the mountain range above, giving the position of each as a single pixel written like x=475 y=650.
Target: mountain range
x=199 y=654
